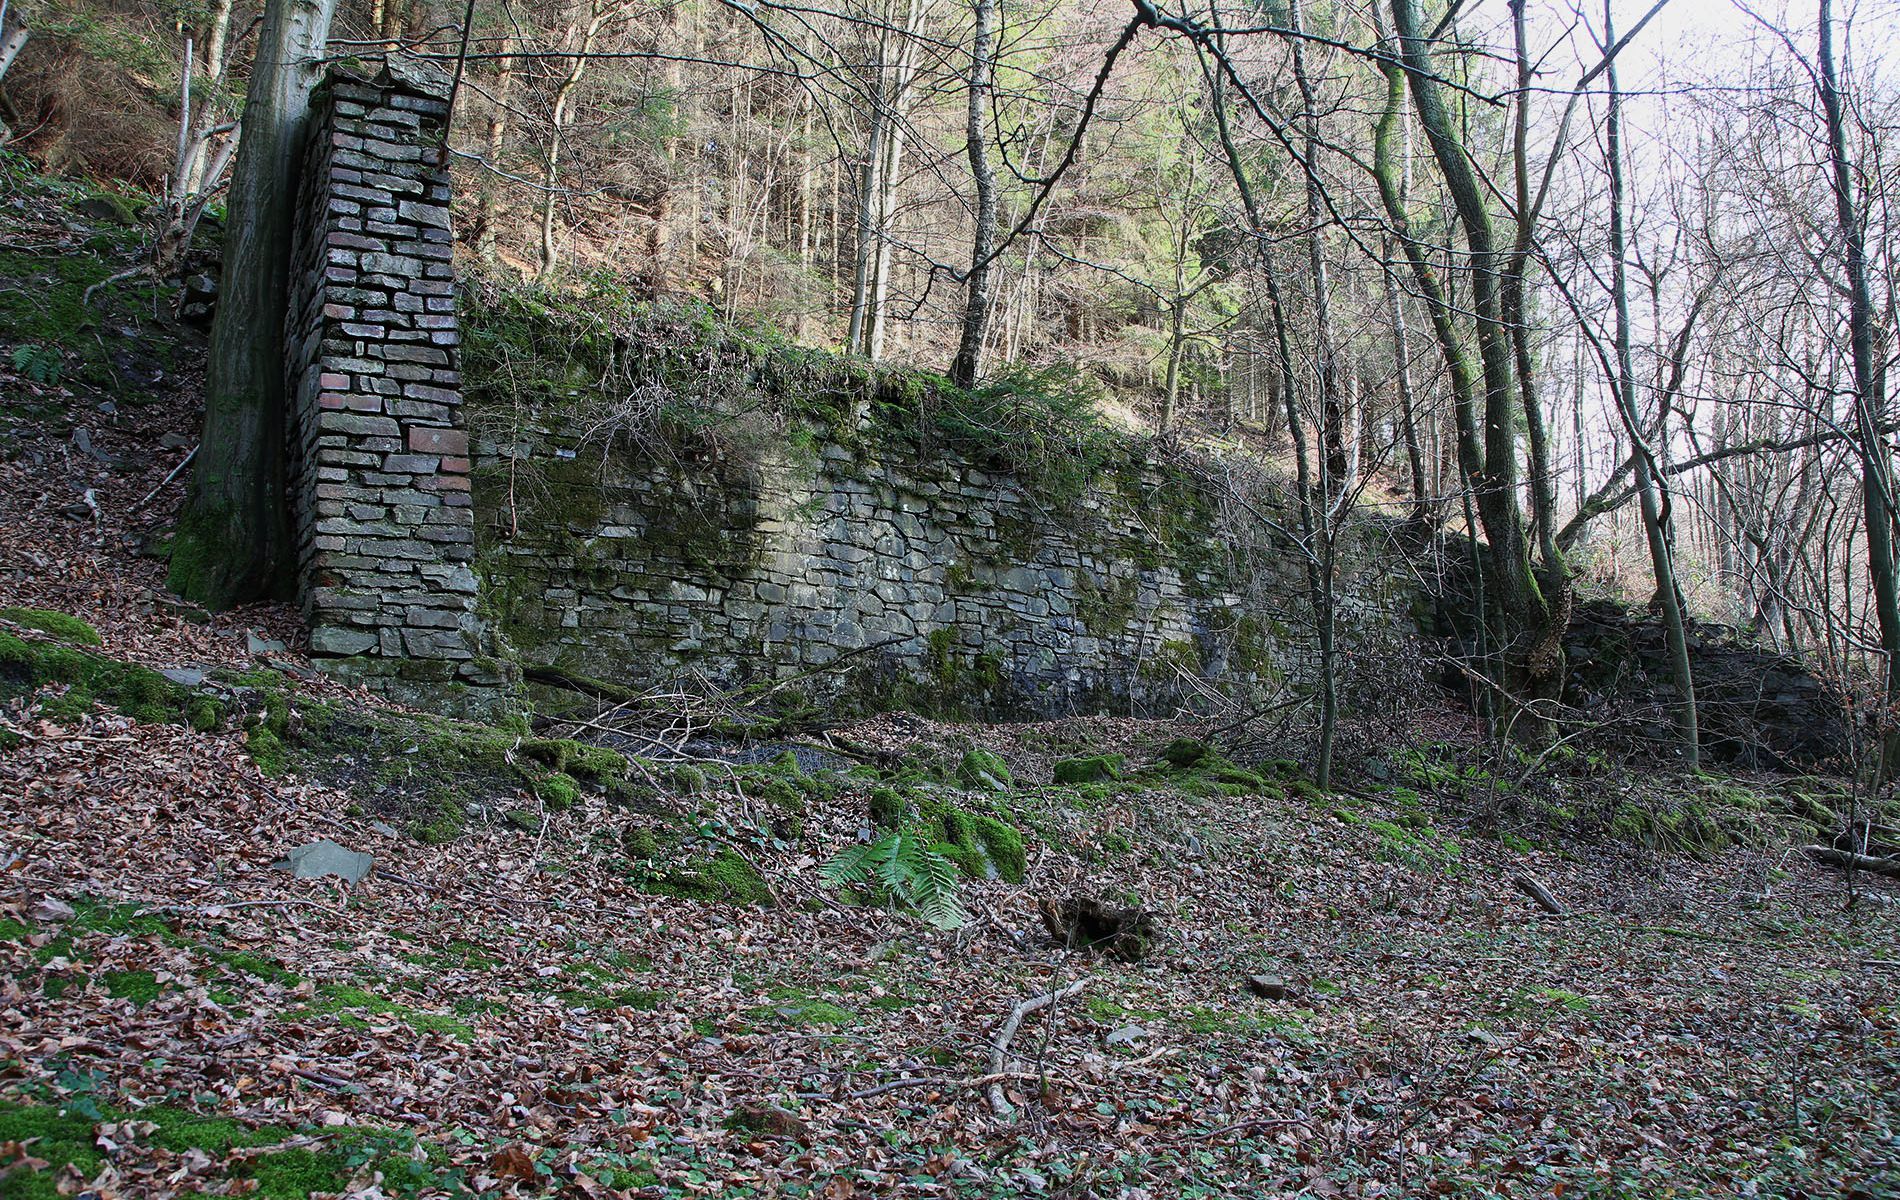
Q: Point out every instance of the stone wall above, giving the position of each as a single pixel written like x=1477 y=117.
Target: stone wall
x=381 y=482
x=853 y=561
x=871 y=571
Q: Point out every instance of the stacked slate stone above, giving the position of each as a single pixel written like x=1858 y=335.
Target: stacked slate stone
x=381 y=450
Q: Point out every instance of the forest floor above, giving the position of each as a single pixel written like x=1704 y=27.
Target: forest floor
x=513 y=1008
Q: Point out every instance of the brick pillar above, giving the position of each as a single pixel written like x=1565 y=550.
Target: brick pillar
x=381 y=485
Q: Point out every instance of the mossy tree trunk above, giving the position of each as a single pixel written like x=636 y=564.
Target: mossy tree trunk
x=234 y=542
x=1870 y=389
x=1653 y=499
x=1485 y=392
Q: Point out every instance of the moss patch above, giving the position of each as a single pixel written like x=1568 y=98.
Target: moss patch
x=138 y=692
x=349 y=1004
x=56 y=625
x=1095 y=768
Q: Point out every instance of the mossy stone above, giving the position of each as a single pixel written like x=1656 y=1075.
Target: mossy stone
x=984 y=770
x=1095 y=768
x=1184 y=754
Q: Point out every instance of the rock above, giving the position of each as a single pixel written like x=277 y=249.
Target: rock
x=189 y=677
x=50 y=910
x=262 y=645
x=984 y=771
x=113 y=210
x=1127 y=1035
x=313 y=860
x=768 y=1119
x=1093 y=769
x=1184 y=754
x=182 y=608
x=1273 y=987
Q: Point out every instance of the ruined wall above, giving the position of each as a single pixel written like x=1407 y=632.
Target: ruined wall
x=381 y=485
x=845 y=554
x=880 y=572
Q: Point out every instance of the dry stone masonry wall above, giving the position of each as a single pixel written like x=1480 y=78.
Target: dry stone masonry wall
x=382 y=476
x=858 y=568
x=874 y=574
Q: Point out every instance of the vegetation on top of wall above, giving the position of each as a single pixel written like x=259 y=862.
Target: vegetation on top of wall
x=672 y=379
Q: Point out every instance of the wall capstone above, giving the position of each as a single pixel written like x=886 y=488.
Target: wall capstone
x=379 y=443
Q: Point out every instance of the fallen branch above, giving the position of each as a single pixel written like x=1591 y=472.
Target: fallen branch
x=1847 y=860
x=1531 y=887
x=1006 y=1033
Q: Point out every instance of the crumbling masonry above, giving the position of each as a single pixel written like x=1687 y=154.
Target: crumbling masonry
x=381 y=486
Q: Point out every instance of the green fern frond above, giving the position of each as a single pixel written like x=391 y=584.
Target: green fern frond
x=914 y=873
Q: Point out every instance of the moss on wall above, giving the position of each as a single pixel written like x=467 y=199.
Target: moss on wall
x=661 y=496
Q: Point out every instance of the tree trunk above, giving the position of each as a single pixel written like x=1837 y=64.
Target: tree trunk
x=1336 y=468
x=563 y=98
x=1648 y=483
x=1876 y=467
x=1408 y=405
x=233 y=542
x=1529 y=633
x=967 y=368
x=488 y=219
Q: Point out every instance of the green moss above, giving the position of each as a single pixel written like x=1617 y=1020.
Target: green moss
x=1684 y=826
x=1184 y=754
x=889 y=808
x=981 y=769
x=726 y=877
x=558 y=792
x=46 y=309
x=441 y=825
x=56 y=625
x=138 y=692
x=204 y=713
x=58 y=1135
x=348 y=1003
x=63 y=1135
x=140 y=987
x=267 y=751
x=1096 y=768
x=982 y=846
x=795 y=1006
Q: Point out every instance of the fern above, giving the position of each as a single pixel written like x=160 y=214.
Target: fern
x=913 y=872
x=39 y=364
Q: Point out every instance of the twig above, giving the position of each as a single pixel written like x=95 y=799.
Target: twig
x=1006 y=1033
x=147 y=497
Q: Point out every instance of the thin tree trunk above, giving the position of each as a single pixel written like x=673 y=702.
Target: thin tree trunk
x=488 y=219
x=233 y=542
x=563 y=97
x=967 y=368
x=1649 y=486
x=1408 y=422
x=1531 y=633
x=1876 y=468
x=1316 y=540
x=1336 y=466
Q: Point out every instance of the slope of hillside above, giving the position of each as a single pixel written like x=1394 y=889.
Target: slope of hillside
x=598 y=976
x=517 y=1010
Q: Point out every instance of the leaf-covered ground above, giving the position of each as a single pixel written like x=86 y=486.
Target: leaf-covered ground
x=516 y=1011
x=512 y=1011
